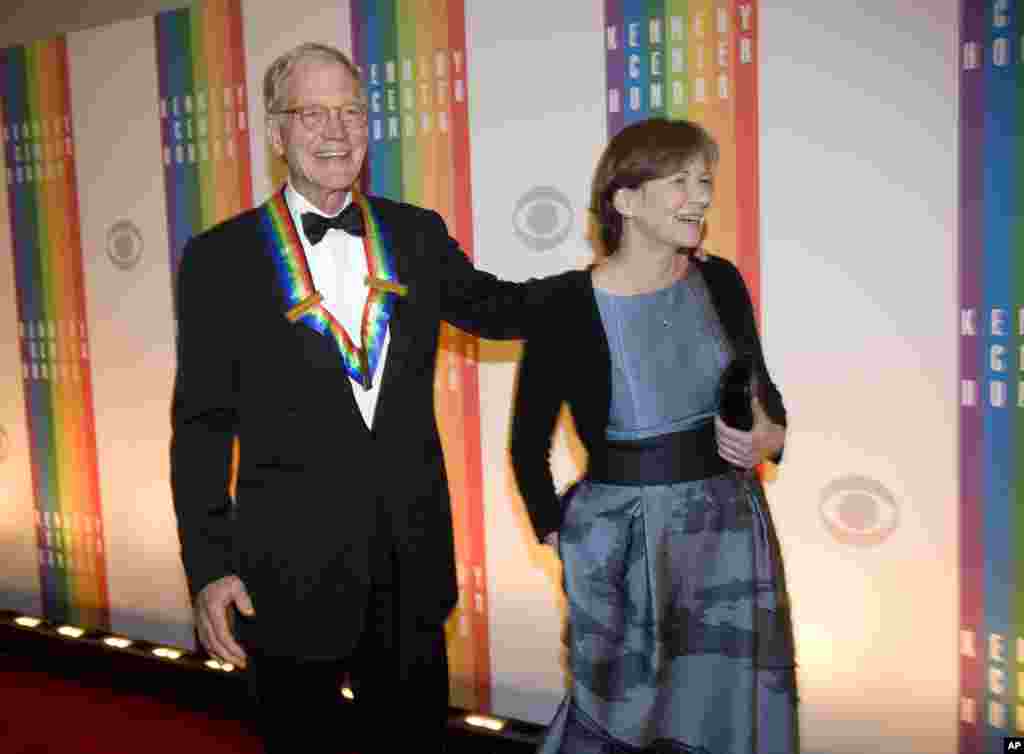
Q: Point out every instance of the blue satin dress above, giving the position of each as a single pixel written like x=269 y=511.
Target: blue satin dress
x=679 y=636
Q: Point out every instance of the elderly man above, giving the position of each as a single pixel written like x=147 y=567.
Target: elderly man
x=308 y=330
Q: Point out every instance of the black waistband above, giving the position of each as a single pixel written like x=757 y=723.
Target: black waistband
x=665 y=459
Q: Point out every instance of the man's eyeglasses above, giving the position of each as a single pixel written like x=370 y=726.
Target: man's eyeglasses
x=314 y=117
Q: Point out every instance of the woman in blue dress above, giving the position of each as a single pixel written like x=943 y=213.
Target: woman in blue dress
x=679 y=633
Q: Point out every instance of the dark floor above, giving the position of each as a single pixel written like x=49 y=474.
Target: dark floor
x=59 y=695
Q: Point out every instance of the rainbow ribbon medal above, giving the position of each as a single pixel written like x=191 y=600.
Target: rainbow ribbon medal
x=305 y=305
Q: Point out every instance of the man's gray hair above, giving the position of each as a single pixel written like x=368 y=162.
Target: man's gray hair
x=275 y=89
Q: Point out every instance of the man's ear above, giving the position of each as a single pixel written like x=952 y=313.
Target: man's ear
x=274 y=135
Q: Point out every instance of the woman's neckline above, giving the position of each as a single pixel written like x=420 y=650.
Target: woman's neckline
x=679 y=278
x=651 y=293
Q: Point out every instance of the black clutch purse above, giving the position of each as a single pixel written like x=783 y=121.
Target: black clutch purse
x=735 y=392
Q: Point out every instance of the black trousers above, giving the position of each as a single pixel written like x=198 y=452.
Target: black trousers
x=399 y=675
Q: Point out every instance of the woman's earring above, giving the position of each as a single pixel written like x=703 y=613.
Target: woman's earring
x=620 y=204
x=702 y=250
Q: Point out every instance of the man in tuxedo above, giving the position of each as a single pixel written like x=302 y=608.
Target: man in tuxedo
x=308 y=331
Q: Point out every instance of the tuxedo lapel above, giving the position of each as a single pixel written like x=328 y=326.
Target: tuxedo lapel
x=401 y=325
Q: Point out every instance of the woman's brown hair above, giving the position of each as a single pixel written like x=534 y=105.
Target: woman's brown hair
x=649 y=149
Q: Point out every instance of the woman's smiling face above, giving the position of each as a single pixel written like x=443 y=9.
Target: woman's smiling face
x=669 y=211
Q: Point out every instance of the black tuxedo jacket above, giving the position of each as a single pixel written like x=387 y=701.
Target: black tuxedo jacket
x=321 y=500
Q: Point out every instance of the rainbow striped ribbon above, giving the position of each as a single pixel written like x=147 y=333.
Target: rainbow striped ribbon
x=304 y=303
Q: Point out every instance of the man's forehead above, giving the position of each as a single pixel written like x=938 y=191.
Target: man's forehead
x=316 y=67
x=323 y=78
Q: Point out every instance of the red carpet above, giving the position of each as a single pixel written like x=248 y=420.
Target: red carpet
x=40 y=713
x=79 y=697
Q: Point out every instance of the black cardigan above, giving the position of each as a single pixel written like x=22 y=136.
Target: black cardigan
x=570 y=362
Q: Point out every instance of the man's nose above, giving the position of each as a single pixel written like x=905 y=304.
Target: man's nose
x=335 y=125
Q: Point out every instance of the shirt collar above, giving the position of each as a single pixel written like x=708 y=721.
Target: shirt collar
x=298 y=204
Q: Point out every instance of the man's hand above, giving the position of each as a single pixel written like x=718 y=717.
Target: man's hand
x=212 y=608
x=747 y=449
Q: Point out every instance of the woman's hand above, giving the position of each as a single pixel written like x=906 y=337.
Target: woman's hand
x=748 y=449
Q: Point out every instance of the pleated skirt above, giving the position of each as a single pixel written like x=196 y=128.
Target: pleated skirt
x=679 y=634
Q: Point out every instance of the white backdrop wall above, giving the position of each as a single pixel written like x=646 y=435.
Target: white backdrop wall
x=858 y=127
x=858 y=196
x=112 y=81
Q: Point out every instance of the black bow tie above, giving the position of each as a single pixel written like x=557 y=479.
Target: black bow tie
x=350 y=220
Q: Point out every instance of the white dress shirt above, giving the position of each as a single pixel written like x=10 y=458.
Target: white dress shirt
x=338 y=267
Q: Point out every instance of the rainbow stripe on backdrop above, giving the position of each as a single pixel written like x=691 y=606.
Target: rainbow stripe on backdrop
x=413 y=57
x=991 y=331
x=203 y=117
x=54 y=339
x=696 y=59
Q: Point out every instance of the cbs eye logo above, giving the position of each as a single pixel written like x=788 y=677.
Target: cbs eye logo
x=542 y=218
x=124 y=244
x=859 y=511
